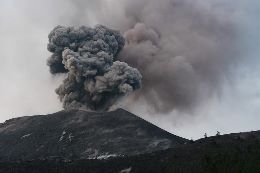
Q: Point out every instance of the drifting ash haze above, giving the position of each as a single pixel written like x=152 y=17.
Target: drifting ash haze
x=184 y=49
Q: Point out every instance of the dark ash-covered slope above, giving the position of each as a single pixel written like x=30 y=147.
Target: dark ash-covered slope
x=73 y=135
x=233 y=153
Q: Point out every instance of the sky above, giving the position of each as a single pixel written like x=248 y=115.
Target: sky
x=27 y=87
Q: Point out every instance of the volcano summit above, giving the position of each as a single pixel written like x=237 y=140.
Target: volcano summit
x=77 y=134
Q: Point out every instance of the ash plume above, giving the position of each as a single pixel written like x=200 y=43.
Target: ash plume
x=95 y=79
x=185 y=50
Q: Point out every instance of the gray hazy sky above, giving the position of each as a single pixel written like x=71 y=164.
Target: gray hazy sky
x=27 y=88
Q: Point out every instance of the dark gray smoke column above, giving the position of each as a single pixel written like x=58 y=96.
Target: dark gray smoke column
x=95 y=79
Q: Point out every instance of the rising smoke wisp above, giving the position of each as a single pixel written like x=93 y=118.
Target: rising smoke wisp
x=95 y=79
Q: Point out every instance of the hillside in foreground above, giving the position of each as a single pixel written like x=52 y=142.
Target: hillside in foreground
x=123 y=143
x=76 y=134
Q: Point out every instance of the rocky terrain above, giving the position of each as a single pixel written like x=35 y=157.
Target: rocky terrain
x=71 y=135
x=118 y=142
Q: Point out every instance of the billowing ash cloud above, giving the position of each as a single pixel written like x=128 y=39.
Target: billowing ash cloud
x=95 y=78
x=184 y=50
